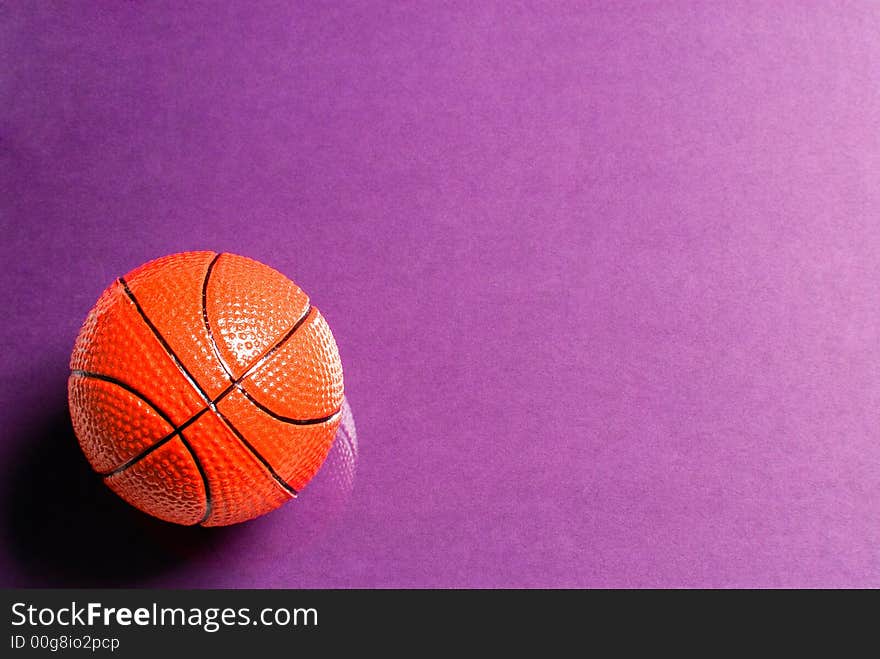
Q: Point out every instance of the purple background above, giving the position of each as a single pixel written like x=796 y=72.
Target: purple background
x=604 y=280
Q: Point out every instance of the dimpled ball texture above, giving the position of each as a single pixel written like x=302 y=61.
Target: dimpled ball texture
x=205 y=388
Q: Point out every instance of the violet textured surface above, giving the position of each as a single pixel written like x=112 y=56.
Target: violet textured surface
x=604 y=280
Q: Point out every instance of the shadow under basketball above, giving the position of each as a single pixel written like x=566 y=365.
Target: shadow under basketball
x=67 y=529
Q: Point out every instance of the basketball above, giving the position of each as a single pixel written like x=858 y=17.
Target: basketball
x=205 y=388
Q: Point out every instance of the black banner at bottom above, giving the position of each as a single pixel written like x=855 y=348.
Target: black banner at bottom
x=148 y=623
x=209 y=623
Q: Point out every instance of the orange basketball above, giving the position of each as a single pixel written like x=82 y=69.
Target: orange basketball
x=205 y=388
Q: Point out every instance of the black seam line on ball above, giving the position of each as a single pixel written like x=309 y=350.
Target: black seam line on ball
x=209 y=504
x=235 y=431
x=275 y=348
x=155 y=445
x=287 y=419
x=207 y=322
x=124 y=385
x=164 y=343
